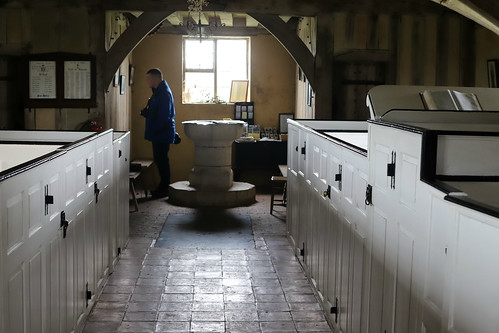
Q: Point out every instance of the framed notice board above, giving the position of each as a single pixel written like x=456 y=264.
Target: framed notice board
x=245 y=111
x=60 y=80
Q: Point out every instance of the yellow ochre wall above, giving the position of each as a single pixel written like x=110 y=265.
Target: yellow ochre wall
x=272 y=89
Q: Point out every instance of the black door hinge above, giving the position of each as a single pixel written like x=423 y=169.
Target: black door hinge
x=369 y=195
x=88 y=171
x=304 y=148
x=339 y=177
x=302 y=250
x=96 y=192
x=327 y=193
x=335 y=310
x=49 y=200
x=120 y=153
x=64 y=224
x=390 y=170
x=88 y=294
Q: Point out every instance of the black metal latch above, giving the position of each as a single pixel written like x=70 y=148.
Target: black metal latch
x=390 y=170
x=88 y=171
x=49 y=200
x=88 y=294
x=327 y=193
x=335 y=310
x=96 y=192
x=339 y=177
x=369 y=195
x=64 y=224
x=304 y=148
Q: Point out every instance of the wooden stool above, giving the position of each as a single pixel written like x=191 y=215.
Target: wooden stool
x=144 y=164
x=132 y=177
x=278 y=184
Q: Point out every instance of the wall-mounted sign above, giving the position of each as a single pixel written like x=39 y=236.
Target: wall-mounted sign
x=77 y=79
x=60 y=80
x=42 y=80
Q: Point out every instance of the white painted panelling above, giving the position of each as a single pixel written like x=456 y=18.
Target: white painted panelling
x=475 y=291
x=382 y=157
x=412 y=262
x=355 y=139
x=405 y=305
x=44 y=275
x=13 y=155
x=36 y=287
x=459 y=156
x=54 y=286
x=16 y=302
x=35 y=214
x=408 y=179
x=437 y=253
x=14 y=222
x=43 y=136
x=335 y=231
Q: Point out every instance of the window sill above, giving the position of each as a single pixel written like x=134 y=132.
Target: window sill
x=193 y=103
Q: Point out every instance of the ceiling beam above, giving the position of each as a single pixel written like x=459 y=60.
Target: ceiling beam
x=285 y=18
x=175 y=19
x=226 y=19
x=284 y=7
x=130 y=38
x=482 y=15
x=251 y=22
x=221 y=31
x=280 y=7
x=291 y=42
x=204 y=18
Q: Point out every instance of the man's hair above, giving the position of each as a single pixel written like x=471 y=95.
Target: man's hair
x=155 y=72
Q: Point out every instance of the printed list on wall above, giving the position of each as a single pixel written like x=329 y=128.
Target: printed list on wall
x=42 y=80
x=77 y=79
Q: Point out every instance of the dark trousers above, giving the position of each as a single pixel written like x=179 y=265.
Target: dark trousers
x=160 y=153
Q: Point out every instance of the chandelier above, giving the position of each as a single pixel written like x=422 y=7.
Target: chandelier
x=197 y=5
x=194 y=25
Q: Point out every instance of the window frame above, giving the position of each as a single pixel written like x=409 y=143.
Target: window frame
x=215 y=63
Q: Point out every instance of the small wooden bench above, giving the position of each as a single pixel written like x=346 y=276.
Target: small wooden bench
x=134 y=175
x=279 y=184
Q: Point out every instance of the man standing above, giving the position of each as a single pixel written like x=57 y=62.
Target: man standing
x=160 y=126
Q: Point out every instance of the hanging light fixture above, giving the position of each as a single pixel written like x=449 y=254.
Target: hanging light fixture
x=197 y=27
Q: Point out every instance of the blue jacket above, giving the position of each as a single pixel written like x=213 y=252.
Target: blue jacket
x=160 y=115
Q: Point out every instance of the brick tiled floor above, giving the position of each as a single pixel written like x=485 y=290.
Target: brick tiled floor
x=207 y=290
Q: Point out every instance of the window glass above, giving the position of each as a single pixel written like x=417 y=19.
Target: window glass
x=211 y=65
x=199 y=55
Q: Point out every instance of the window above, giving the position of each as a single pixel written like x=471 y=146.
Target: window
x=210 y=66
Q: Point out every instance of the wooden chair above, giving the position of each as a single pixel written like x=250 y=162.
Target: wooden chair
x=278 y=188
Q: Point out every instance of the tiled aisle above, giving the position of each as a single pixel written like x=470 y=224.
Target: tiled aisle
x=207 y=290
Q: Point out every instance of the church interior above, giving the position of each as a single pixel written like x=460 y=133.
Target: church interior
x=249 y=166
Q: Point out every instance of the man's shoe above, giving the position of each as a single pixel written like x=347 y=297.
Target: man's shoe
x=159 y=193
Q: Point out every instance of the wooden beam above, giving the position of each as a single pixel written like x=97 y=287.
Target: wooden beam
x=205 y=20
x=324 y=67
x=251 y=22
x=487 y=15
x=221 y=31
x=291 y=42
x=132 y=36
x=280 y=7
x=239 y=21
x=175 y=19
x=226 y=19
x=285 y=18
